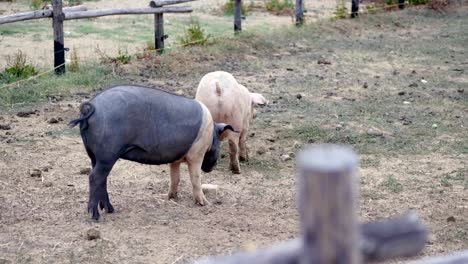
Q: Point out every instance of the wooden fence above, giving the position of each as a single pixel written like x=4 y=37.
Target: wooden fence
x=60 y=14
x=328 y=204
x=156 y=7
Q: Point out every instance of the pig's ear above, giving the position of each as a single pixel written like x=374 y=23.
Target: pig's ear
x=257 y=99
x=221 y=127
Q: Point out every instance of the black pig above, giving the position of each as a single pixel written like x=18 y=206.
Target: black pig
x=148 y=126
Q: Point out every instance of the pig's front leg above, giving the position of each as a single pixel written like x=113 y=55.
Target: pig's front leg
x=195 y=178
x=175 y=179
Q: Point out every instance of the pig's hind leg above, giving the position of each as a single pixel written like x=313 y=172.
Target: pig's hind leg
x=243 y=151
x=98 y=195
x=175 y=179
x=234 y=153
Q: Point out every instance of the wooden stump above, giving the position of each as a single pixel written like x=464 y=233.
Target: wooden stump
x=327 y=205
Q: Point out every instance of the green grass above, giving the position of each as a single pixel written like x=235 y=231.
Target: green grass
x=392 y=184
x=279 y=6
x=26 y=28
x=90 y=77
x=17 y=68
x=228 y=8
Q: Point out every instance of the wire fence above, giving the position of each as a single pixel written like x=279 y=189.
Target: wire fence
x=374 y=9
x=146 y=51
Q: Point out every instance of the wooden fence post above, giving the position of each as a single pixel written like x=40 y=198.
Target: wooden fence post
x=237 y=16
x=327 y=205
x=354 y=8
x=158 y=29
x=59 y=48
x=299 y=13
x=401 y=4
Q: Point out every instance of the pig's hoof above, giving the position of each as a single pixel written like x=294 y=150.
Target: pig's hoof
x=235 y=169
x=107 y=206
x=244 y=158
x=202 y=201
x=172 y=196
x=94 y=212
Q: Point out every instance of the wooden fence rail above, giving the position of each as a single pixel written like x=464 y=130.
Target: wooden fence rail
x=60 y=14
x=328 y=203
x=37 y=14
x=126 y=11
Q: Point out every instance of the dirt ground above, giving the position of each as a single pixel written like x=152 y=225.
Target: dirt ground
x=392 y=86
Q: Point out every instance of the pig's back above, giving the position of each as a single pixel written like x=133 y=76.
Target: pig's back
x=164 y=125
x=226 y=100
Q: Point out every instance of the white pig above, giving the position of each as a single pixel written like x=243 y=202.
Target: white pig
x=230 y=102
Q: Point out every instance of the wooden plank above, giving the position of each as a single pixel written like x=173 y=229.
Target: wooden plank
x=237 y=16
x=299 y=13
x=456 y=258
x=37 y=14
x=126 y=11
x=327 y=204
x=59 y=48
x=160 y=3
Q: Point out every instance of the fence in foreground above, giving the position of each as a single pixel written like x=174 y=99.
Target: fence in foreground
x=328 y=202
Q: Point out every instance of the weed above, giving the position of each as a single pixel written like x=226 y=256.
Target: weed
x=149 y=46
x=308 y=133
x=279 y=6
x=341 y=12
x=392 y=184
x=194 y=34
x=74 y=61
x=123 y=57
x=228 y=8
x=418 y=2
x=445 y=182
x=439 y=5
x=88 y=77
x=17 y=68
x=372 y=9
x=390 y=2
x=369 y=163
x=263 y=165
x=38 y=4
